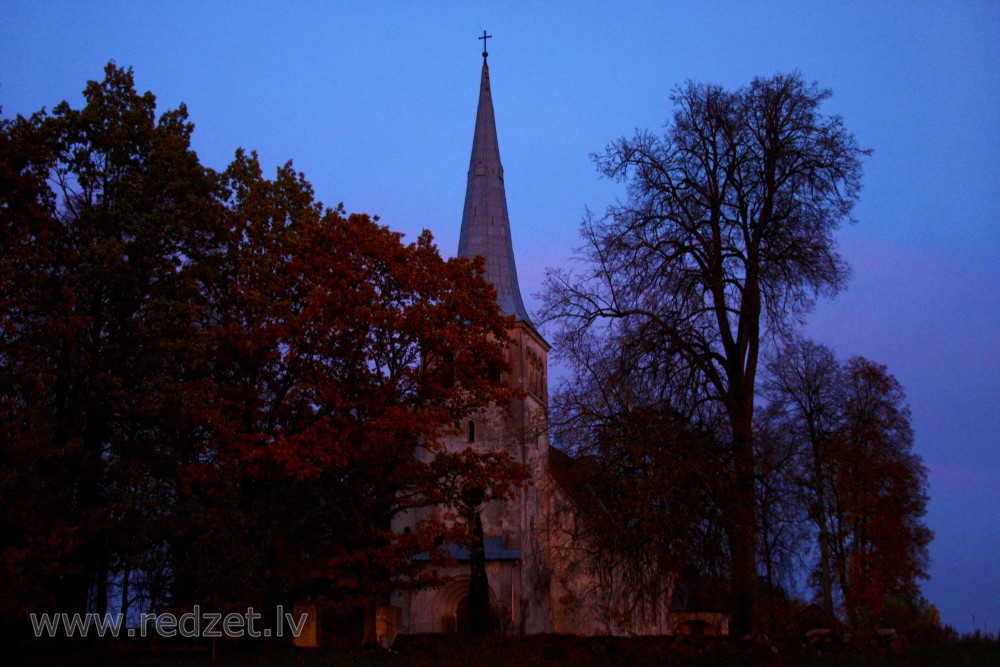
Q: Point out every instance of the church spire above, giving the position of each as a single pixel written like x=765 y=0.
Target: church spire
x=485 y=225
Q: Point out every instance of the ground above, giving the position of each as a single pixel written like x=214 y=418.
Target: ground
x=550 y=650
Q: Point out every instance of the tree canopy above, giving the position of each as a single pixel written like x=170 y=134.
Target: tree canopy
x=216 y=390
x=846 y=429
x=723 y=241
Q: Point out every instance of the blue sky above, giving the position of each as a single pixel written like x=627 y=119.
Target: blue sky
x=375 y=102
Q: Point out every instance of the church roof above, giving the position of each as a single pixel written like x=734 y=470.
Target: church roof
x=579 y=477
x=493 y=546
x=485 y=225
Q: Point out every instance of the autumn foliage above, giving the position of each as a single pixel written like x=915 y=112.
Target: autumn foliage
x=216 y=390
x=840 y=435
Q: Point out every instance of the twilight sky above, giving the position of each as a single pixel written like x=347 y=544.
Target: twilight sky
x=375 y=102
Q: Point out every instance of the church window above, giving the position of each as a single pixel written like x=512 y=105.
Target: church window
x=472 y=431
x=447 y=370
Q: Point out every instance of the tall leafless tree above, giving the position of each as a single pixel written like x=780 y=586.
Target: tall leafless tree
x=805 y=388
x=725 y=236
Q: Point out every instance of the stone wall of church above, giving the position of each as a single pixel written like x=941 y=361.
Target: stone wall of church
x=530 y=376
x=520 y=587
x=439 y=609
x=590 y=594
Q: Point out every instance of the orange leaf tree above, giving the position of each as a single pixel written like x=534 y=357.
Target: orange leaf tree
x=881 y=542
x=846 y=431
x=105 y=211
x=333 y=338
x=212 y=389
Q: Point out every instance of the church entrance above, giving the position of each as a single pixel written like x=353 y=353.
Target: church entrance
x=452 y=603
x=463 y=626
x=456 y=619
x=452 y=606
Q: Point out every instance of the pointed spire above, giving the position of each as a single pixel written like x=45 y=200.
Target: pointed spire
x=485 y=226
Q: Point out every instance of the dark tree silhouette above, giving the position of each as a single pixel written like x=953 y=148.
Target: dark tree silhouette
x=103 y=217
x=647 y=472
x=806 y=393
x=725 y=236
x=214 y=390
x=862 y=487
x=479 y=585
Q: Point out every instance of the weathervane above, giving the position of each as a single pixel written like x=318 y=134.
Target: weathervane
x=484 y=38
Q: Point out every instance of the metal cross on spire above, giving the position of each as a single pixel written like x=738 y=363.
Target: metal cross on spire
x=484 y=38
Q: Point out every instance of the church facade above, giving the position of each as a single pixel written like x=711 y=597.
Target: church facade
x=514 y=529
x=541 y=574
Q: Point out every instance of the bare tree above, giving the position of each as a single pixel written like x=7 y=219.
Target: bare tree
x=725 y=236
x=864 y=488
x=805 y=388
x=650 y=478
x=783 y=519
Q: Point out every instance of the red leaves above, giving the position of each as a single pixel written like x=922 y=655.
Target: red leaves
x=329 y=350
x=210 y=380
x=848 y=426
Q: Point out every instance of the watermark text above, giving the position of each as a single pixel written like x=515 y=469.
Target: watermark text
x=195 y=623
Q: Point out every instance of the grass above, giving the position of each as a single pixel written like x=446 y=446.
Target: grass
x=548 y=650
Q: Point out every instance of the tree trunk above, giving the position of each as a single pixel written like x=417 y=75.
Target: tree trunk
x=825 y=577
x=479 y=587
x=101 y=585
x=126 y=573
x=743 y=532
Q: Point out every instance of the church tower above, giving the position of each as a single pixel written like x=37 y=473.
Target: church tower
x=516 y=560
x=521 y=430
x=541 y=575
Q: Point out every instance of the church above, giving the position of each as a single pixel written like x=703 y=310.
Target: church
x=541 y=579
x=516 y=557
x=542 y=576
